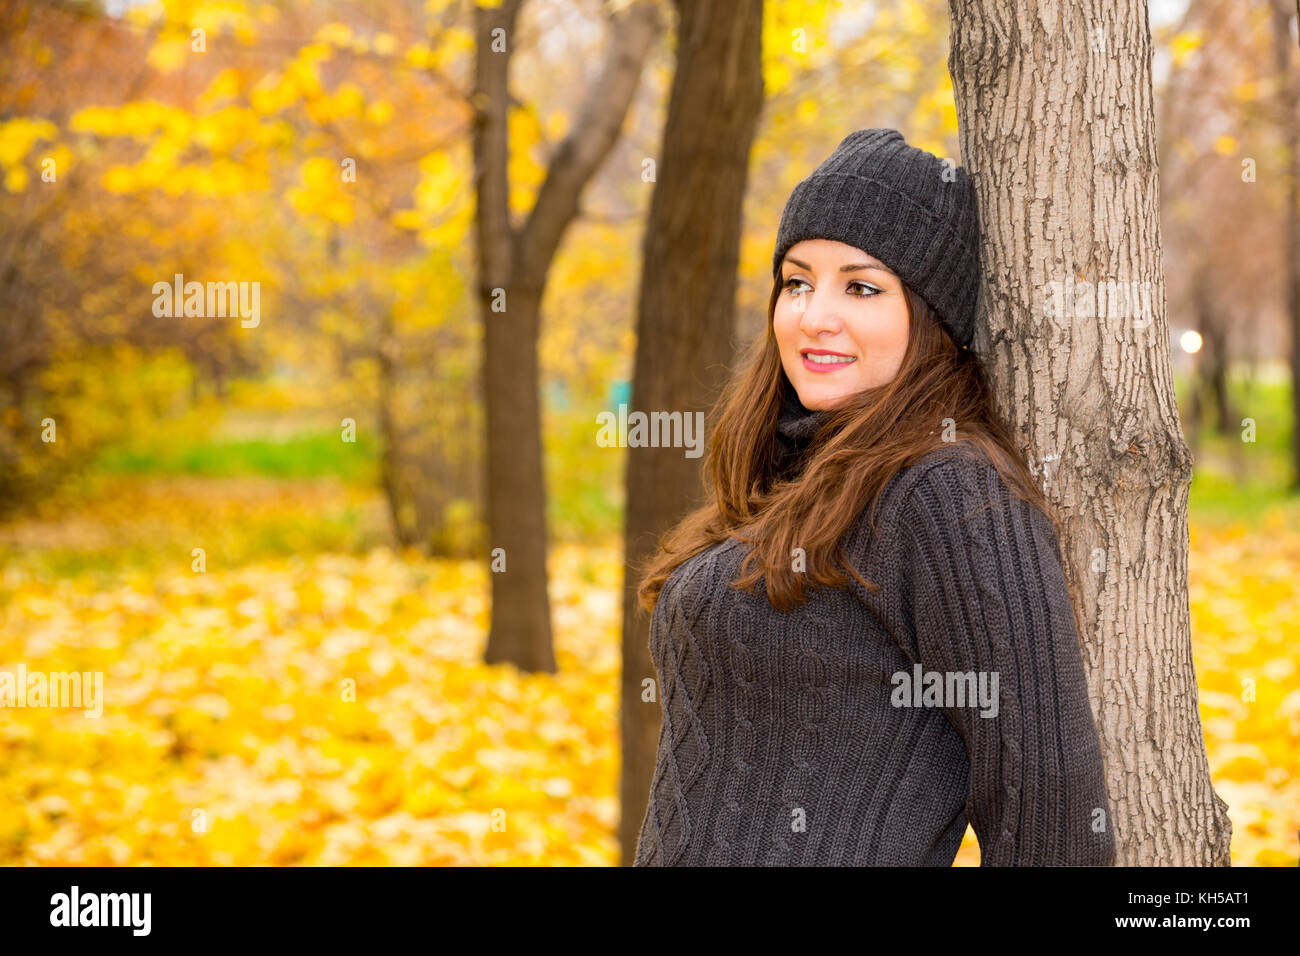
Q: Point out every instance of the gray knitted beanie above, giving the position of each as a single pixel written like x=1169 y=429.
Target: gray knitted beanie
x=893 y=201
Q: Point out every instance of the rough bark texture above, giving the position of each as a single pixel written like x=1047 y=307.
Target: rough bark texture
x=685 y=318
x=1054 y=102
x=517 y=260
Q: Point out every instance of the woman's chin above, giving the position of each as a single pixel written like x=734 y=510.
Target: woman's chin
x=818 y=401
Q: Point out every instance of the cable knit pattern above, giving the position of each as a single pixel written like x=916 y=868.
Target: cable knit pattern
x=746 y=720
x=780 y=744
x=683 y=740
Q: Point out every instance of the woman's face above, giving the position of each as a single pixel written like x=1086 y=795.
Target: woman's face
x=841 y=306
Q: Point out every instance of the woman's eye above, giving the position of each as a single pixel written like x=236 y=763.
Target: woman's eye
x=865 y=290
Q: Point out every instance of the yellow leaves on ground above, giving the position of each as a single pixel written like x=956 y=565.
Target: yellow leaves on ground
x=331 y=707
x=1245 y=602
x=317 y=709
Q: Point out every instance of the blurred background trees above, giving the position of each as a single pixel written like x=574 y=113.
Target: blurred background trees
x=326 y=149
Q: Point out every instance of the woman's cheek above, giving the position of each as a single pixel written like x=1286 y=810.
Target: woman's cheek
x=782 y=327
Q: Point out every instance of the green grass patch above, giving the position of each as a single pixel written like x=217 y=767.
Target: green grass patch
x=1235 y=480
x=1232 y=480
x=346 y=530
x=305 y=455
x=584 y=482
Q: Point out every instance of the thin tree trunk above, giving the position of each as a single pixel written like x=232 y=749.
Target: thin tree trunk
x=512 y=268
x=390 y=452
x=685 y=319
x=1212 y=359
x=1225 y=424
x=1054 y=102
x=1195 y=409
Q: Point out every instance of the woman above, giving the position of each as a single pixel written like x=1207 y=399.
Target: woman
x=865 y=640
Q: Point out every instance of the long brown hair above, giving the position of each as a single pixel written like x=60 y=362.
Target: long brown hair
x=861 y=445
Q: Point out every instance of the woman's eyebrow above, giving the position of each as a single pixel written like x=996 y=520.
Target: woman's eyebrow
x=852 y=267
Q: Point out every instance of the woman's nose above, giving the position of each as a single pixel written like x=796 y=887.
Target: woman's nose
x=818 y=314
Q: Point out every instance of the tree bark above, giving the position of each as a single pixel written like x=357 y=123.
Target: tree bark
x=1055 y=111
x=512 y=268
x=685 y=321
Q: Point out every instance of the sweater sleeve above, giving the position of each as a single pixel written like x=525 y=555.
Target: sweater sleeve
x=988 y=595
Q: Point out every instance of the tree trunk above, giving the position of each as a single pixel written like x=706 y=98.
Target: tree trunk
x=390 y=441
x=512 y=266
x=1288 y=93
x=1212 y=359
x=1054 y=102
x=685 y=320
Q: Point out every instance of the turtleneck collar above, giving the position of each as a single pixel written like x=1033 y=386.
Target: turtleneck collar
x=796 y=422
x=796 y=426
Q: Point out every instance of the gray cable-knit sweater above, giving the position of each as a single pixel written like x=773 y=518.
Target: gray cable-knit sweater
x=819 y=737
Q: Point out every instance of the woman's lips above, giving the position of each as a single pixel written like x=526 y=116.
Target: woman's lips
x=837 y=362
